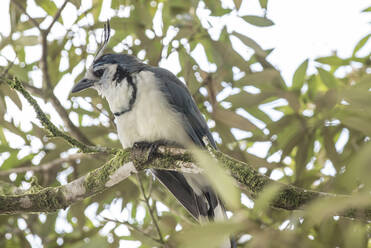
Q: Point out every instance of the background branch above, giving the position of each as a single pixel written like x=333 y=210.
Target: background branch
x=54 y=131
x=44 y=167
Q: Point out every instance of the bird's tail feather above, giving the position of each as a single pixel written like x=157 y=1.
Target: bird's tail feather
x=195 y=195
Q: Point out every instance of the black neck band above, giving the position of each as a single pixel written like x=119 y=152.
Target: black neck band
x=119 y=76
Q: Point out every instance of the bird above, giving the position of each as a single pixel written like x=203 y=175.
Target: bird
x=153 y=107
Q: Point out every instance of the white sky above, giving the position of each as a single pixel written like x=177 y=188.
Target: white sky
x=303 y=29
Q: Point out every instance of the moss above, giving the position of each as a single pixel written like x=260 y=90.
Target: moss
x=8 y=189
x=50 y=127
x=96 y=179
x=244 y=173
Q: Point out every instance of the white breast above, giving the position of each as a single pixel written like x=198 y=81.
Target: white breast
x=151 y=118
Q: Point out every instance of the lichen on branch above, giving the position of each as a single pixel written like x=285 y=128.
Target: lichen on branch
x=49 y=126
x=126 y=162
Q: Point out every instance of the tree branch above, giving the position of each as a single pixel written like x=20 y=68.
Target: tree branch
x=56 y=16
x=150 y=210
x=127 y=162
x=20 y=7
x=43 y=167
x=135 y=228
x=54 y=131
x=46 y=76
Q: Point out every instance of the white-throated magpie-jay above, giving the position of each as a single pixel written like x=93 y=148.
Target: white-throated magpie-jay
x=153 y=106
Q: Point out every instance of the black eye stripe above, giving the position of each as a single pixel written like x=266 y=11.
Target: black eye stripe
x=120 y=74
x=98 y=73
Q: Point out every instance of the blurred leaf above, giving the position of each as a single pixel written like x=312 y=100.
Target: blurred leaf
x=355 y=122
x=167 y=223
x=97 y=7
x=12 y=94
x=333 y=60
x=299 y=76
x=14 y=162
x=251 y=43
x=211 y=235
x=216 y=8
x=258 y=21
x=326 y=207
x=263 y=3
x=237 y=3
x=233 y=119
x=95 y=242
x=356 y=236
x=327 y=78
x=266 y=197
x=77 y=3
x=30 y=40
x=219 y=178
x=245 y=99
x=136 y=235
x=367 y=9
x=48 y=6
x=361 y=43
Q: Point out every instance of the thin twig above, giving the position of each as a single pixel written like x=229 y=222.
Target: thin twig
x=20 y=7
x=54 y=131
x=132 y=226
x=56 y=16
x=34 y=90
x=44 y=167
x=49 y=86
x=150 y=210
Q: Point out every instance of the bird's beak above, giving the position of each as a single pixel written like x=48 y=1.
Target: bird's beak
x=83 y=84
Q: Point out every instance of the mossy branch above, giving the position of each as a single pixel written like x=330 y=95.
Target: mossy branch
x=48 y=125
x=126 y=162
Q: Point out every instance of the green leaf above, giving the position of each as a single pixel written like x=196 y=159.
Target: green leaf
x=212 y=234
x=299 y=76
x=251 y=43
x=327 y=78
x=367 y=9
x=258 y=21
x=77 y=3
x=95 y=242
x=333 y=60
x=221 y=181
x=237 y=3
x=13 y=161
x=263 y=3
x=12 y=94
x=30 y=40
x=97 y=7
x=322 y=208
x=244 y=99
x=48 y=6
x=216 y=7
x=361 y=43
x=233 y=119
x=266 y=197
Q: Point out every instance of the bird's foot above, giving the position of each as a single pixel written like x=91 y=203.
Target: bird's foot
x=145 y=151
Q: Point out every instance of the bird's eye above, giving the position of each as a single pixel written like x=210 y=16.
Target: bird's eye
x=98 y=73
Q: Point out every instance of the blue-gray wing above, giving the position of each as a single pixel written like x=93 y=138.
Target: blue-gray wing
x=198 y=199
x=181 y=100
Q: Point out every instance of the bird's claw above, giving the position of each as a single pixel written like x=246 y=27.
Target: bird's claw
x=145 y=151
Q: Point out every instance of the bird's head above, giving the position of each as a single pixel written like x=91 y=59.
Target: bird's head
x=108 y=71
x=112 y=76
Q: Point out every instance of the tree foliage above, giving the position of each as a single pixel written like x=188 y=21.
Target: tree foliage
x=320 y=120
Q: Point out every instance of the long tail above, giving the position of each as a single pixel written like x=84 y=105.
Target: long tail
x=193 y=192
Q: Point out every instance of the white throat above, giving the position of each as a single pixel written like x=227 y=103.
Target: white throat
x=118 y=94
